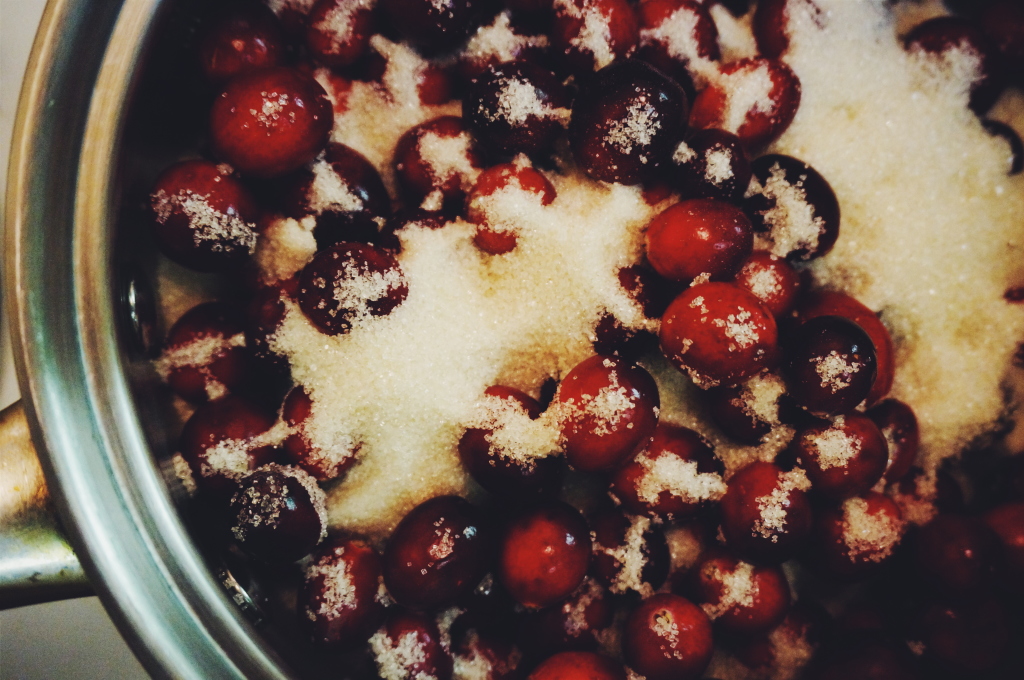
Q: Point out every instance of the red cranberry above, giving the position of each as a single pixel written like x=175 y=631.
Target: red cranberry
x=711 y=164
x=843 y=458
x=667 y=638
x=248 y=38
x=675 y=33
x=771 y=23
x=409 y=646
x=573 y=624
x=787 y=647
x=438 y=551
x=771 y=280
x=956 y=553
x=322 y=464
x=830 y=303
x=629 y=553
x=347 y=284
x=204 y=218
x=672 y=478
x=830 y=365
x=792 y=207
x=898 y=425
x=545 y=554
x=1003 y=22
x=432 y=26
x=224 y=440
x=738 y=596
x=339 y=31
x=699 y=236
x=280 y=514
x=860 y=657
x=493 y=456
x=205 y=356
x=579 y=666
x=747 y=412
x=590 y=34
x=340 y=598
x=969 y=637
x=503 y=41
x=517 y=108
x=653 y=294
x=1007 y=521
x=766 y=514
x=292 y=14
x=949 y=37
x=610 y=411
x=264 y=315
x=494 y=235
x=718 y=333
x=859 y=535
x=624 y=122
x=270 y=122
x=486 y=656
x=762 y=120
x=437 y=160
x=997 y=129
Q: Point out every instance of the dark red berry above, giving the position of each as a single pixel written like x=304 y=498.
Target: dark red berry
x=301 y=448
x=738 y=596
x=340 y=599
x=204 y=218
x=1003 y=22
x=205 y=356
x=718 y=333
x=770 y=279
x=579 y=666
x=667 y=638
x=264 y=314
x=699 y=236
x=898 y=425
x=859 y=535
x=625 y=121
x=843 y=458
x=629 y=553
x=339 y=31
x=490 y=656
x=771 y=23
x=862 y=656
x=1007 y=522
x=830 y=365
x=711 y=164
x=588 y=35
x=609 y=408
x=247 y=38
x=653 y=294
x=512 y=183
x=573 y=624
x=957 y=554
x=969 y=637
x=437 y=161
x=664 y=44
x=788 y=646
x=747 y=412
x=998 y=129
x=347 y=284
x=433 y=26
x=545 y=554
x=409 y=645
x=270 y=122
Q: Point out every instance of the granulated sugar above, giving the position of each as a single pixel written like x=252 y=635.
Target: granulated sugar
x=498 y=42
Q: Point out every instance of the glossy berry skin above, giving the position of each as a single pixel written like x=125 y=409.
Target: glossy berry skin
x=770 y=279
x=570 y=23
x=759 y=125
x=766 y=514
x=843 y=458
x=711 y=164
x=737 y=596
x=205 y=356
x=412 y=161
x=611 y=410
x=729 y=407
x=350 y=282
x=204 y=218
x=718 y=333
x=280 y=514
x=699 y=236
x=432 y=27
x=784 y=180
x=338 y=601
x=417 y=634
x=339 y=48
x=855 y=538
x=299 y=447
x=830 y=365
x=496 y=238
x=270 y=122
x=544 y=554
x=702 y=41
x=570 y=625
x=956 y=554
x=439 y=551
x=621 y=540
x=771 y=24
x=667 y=638
x=625 y=121
x=673 y=447
x=514 y=128
x=579 y=666
x=246 y=39
x=898 y=425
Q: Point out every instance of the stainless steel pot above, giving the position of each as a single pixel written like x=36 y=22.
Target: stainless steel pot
x=64 y=295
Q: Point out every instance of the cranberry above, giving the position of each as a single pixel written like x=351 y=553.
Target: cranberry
x=264 y=315
x=711 y=164
x=340 y=597
x=898 y=425
x=545 y=554
x=270 y=122
x=339 y=31
x=513 y=183
x=830 y=303
x=573 y=624
x=204 y=218
x=792 y=207
x=770 y=279
x=629 y=553
x=653 y=294
x=858 y=535
x=718 y=333
x=624 y=122
x=830 y=365
x=280 y=514
x=997 y=129
x=224 y=440
x=610 y=409
x=1007 y=521
x=787 y=647
x=579 y=666
x=673 y=477
x=517 y=108
x=956 y=553
x=747 y=412
x=771 y=23
x=699 y=236
x=949 y=37
x=347 y=284
x=432 y=26
x=323 y=464
x=738 y=596
x=1003 y=22
x=437 y=160
x=969 y=637
x=409 y=645
x=843 y=458
x=292 y=14
x=590 y=34
x=205 y=356
x=489 y=656
x=493 y=456
x=766 y=514
x=861 y=657
x=438 y=551
x=667 y=638
x=505 y=40
x=675 y=33
x=756 y=121
x=248 y=38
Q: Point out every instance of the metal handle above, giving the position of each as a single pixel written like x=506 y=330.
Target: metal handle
x=36 y=562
